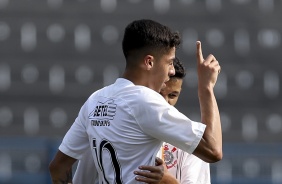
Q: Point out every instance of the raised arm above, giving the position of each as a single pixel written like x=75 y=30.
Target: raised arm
x=210 y=147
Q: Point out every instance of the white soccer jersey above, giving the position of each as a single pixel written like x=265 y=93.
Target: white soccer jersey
x=124 y=126
x=86 y=173
x=185 y=167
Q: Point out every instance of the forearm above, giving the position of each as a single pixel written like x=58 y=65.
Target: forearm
x=60 y=177
x=61 y=168
x=212 y=138
x=169 y=179
x=210 y=146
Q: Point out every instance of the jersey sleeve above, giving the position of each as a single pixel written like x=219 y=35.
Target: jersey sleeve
x=76 y=142
x=164 y=122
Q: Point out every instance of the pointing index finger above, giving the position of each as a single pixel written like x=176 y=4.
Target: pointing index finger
x=200 y=57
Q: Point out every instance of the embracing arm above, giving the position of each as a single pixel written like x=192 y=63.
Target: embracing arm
x=157 y=174
x=60 y=168
x=210 y=146
x=168 y=179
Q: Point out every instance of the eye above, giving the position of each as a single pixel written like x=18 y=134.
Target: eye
x=172 y=96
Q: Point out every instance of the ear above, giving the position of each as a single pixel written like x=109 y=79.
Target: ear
x=149 y=62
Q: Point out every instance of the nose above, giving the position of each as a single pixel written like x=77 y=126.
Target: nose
x=172 y=71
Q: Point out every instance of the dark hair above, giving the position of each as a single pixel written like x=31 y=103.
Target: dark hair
x=179 y=69
x=149 y=36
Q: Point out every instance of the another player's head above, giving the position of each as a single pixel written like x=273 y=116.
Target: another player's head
x=149 y=49
x=173 y=87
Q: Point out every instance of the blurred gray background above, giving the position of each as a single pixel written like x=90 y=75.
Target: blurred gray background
x=55 y=53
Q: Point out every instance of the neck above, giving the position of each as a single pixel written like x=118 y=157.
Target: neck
x=138 y=77
x=134 y=76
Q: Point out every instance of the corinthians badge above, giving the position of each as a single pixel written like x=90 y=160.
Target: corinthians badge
x=170 y=156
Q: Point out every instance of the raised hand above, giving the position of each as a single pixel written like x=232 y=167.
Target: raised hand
x=210 y=147
x=208 y=69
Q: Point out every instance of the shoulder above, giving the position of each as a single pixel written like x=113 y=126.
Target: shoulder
x=141 y=96
x=147 y=93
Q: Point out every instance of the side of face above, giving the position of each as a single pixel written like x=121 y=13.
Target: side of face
x=162 y=69
x=172 y=90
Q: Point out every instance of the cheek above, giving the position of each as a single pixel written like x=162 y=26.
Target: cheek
x=165 y=70
x=161 y=73
x=172 y=102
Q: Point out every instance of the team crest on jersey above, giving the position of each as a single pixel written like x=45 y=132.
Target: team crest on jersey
x=169 y=157
x=103 y=112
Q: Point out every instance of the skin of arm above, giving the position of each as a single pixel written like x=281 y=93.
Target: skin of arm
x=168 y=178
x=60 y=168
x=210 y=147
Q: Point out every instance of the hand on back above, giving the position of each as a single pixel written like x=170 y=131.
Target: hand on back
x=151 y=174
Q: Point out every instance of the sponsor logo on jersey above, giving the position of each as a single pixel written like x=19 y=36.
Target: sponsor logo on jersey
x=100 y=123
x=169 y=158
x=103 y=112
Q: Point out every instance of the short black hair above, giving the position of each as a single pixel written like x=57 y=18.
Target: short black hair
x=179 y=69
x=148 y=35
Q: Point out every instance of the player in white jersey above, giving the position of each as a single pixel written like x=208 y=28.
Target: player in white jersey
x=184 y=167
x=125 y=123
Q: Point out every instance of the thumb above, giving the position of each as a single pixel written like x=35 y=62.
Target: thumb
x=200 y=57
x=158 y=161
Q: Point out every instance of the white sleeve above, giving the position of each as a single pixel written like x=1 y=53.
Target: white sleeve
x=76 y=142
x=193 y=170
x=164 y=122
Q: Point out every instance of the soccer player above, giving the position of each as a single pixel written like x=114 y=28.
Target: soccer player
x=183 y=167
x=125 y=123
